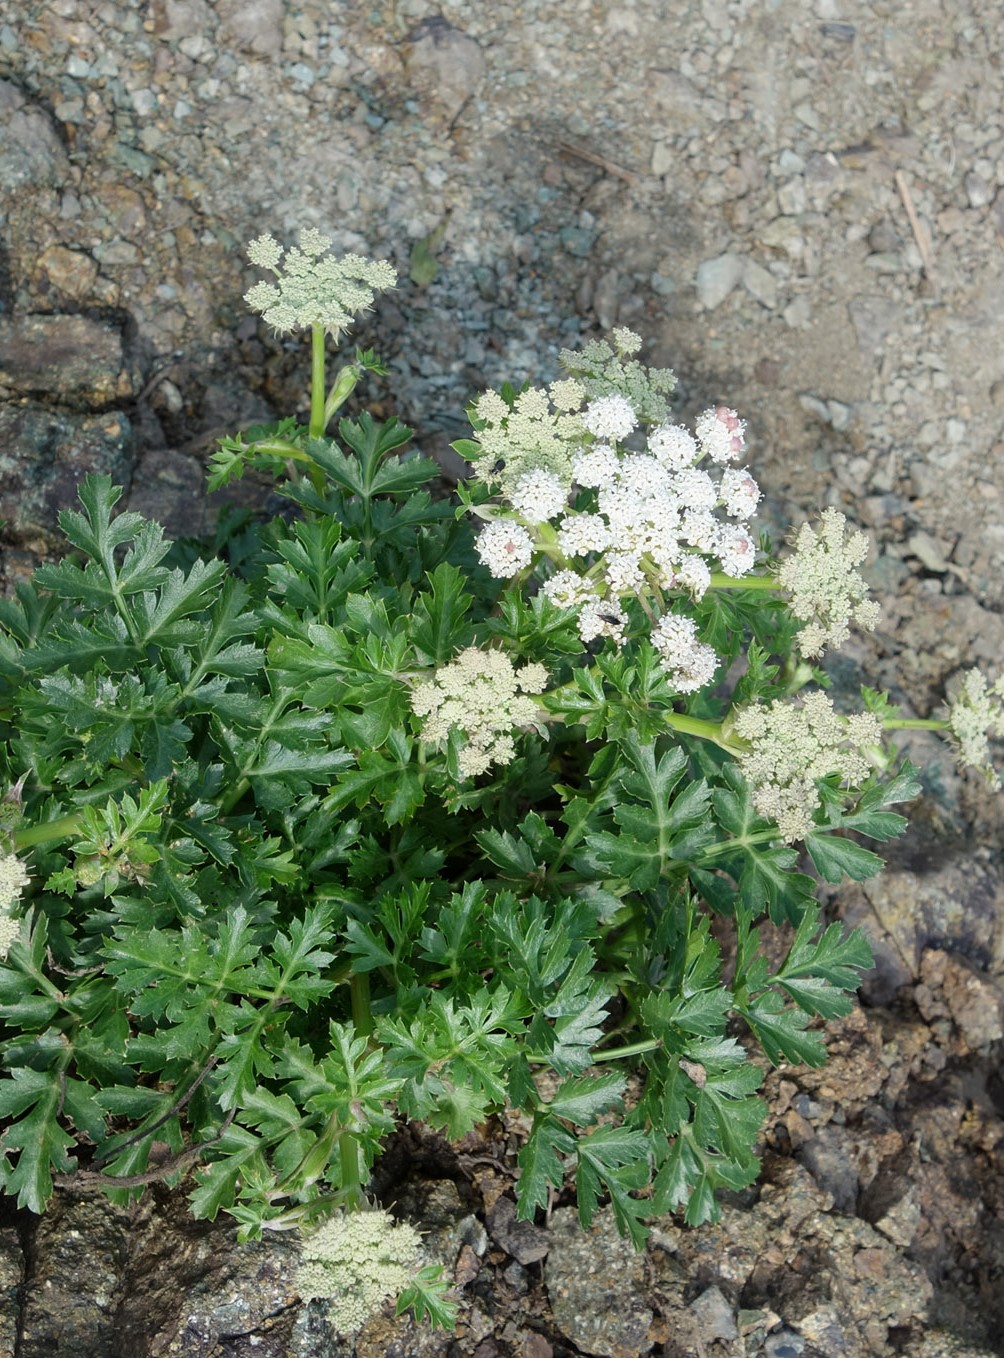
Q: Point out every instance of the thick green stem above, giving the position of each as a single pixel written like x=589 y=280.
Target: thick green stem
x=698 y=726
x=719 y=580
x=317 y=338
x=64 y=828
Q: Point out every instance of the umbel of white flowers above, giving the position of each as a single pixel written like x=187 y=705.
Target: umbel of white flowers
x=357 y=1260
x=313 y=287
x=13 y=880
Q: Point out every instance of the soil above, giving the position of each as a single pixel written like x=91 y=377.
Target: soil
x=800 y=205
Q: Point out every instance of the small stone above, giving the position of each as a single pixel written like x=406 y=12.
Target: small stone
x=70 y=272
x=928 y=552
x=716 y=278
x=606 y=298
x=714 y=1315
x=31 y=150
x=797 y=314
x=662 y=159
x=784 y=1344
x=791 y=198
x=978 y=191
x=443 y=66
x=526 y=1242
x=251 y=25
x=760 y=283
x=595 y=1282
x=899 y=1223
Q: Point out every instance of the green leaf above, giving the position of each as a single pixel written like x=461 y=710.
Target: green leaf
x=835 y=858
x=541 y=1166
x=40 y=1140
x=582 y=1099
x=615 y=1159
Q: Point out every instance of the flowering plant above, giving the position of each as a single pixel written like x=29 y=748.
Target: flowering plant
x=403 y=806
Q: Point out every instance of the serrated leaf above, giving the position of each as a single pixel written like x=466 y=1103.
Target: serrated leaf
x=541 y=1166
x=582 y=1099
x=835 y=858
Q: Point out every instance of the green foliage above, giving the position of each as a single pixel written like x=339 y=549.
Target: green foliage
x=267 y=920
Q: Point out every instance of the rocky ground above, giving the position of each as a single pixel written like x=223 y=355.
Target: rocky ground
x=800 y=205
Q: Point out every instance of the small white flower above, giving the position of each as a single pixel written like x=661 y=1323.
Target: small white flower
x=602 y=619
x=566 y=394
x=596 y=467
x=625 y=341
x=690 y=663
x=13 y=880
x=568 y=589
x=791 y=746
x=721 y=434
x=695 y=489
x=265 y=252
x=482 y=696
x=580 y=534
x=538 y=496
x=314 y=288
x=674 y=446
x=505 y=548
x=736 y=550
x=739 y=492
x=644 y=474
x=623 y=572
x=699 y=528
x=610 y=417
x=357 y=1260
x=975 y=714
x=692 y=573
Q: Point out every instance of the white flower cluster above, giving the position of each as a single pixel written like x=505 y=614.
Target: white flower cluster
x=791 y=745
x=827 y=592
x=976 y=713
x=13 y=880
x=617 y=522
x=482 y=696
x=691 y=663
x=528 y=437
x=357 y=1260
x=314 y=288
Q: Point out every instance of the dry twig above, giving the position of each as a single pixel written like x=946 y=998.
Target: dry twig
x=919 y=234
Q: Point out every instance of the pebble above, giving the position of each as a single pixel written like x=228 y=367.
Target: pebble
x=716 y=278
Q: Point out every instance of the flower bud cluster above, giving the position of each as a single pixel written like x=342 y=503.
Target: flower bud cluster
x=314 y=288
x=13 y=880
x=610 y=369
x=827 y=592
x=528 y=437
x=975 y=714
x=357 y=1260
x=791 y=745
x=483 y=697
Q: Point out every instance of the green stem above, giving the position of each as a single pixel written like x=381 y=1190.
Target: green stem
x=64 y=828
x=362 y=1014
x=698 y=726
x=915 y=724
x=317 y=338
x=649 y=1044
x=719 y=580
